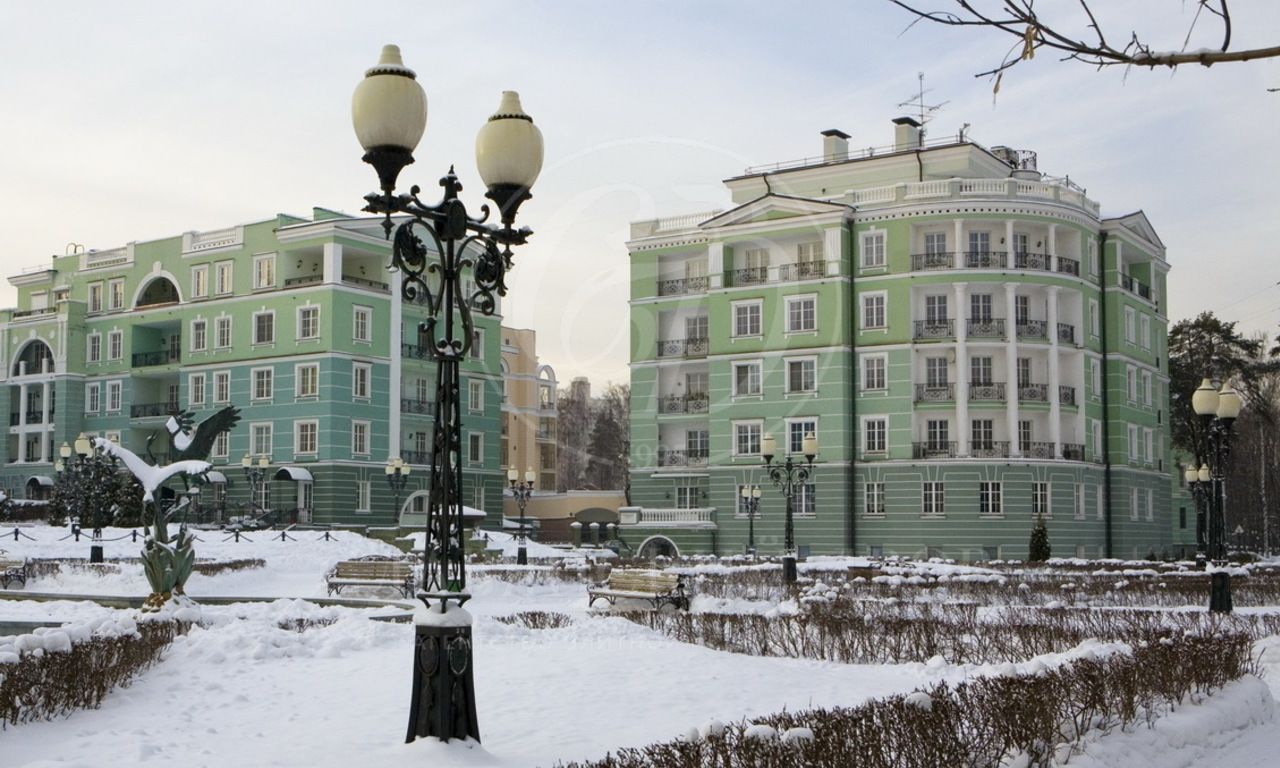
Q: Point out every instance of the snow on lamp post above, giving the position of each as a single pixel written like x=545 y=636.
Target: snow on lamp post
x=455 y=265
x=1218 y=410
x=521 y=492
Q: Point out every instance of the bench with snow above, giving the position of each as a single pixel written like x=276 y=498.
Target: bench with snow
x=12 y=571
x=658 y=587
x=372 y=571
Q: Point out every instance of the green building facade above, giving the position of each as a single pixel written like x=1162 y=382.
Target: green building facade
x=291 y=320
x=971 y=342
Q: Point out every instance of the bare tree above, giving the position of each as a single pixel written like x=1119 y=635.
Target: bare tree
x=1083 y=38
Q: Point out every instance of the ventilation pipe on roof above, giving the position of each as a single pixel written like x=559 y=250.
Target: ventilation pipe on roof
x=835 y=145
x=906 y=134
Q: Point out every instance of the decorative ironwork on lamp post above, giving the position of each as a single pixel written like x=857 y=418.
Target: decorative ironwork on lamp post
x=751 y=498
x=256 y=474
x=521 y=491
x=433 y=248
x=397 y=476
x=788 y=476
x=1218 y=410
x=73 y=461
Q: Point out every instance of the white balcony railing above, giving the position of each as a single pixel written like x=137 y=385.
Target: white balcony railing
x=701 y=517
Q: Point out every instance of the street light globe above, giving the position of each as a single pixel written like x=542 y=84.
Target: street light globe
x=1204 y=474
x=389 y=107
x=246 y=462
x=809 y=446
x=1229 y=402
x=65 y=451
x=746 y=491
x=509 y=147
x=513 y=475
x=755 y=492
x=768 y=446
x=1190 y=475
x=1204 y=401
x=530 y=476
x=84 y=446
x=263 y=461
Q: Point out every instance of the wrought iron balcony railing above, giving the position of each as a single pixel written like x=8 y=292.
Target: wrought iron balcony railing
x=294 y=282
x=935 y=329
x=986 y=390
x=1068 y=266
x=984 y=259
x=933 y=449
x=416 y=457
x=1033 y=393
x=924 y=262
x=802 y=270
x=1033 y=329
x=935 y=393
x=683 y=285
x=751 y=276
x=422 y=407
x=1037 y=450
x=1135 y=286
x=682 y=458
x=989 y=449
x=1067 y=333
x=1073 y=451
x=1029 y=260
x=986 y=328
x=1067 y=395
x=682 y=348
x=163 y=357
x=696 y=403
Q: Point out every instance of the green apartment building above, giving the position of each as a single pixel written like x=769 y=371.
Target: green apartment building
x=971 y=341
x=292 y=320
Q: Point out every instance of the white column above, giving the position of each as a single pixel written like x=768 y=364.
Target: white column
x=715 y=265
x=397 y=357
x=1008 y=244
x=832 y=252
x=22 y=401
x=44 y=422
x=1051 y=246
x=1055 y=400
x=1011 y=366
x=962 y=371
x=332 y=263
x=959 y=246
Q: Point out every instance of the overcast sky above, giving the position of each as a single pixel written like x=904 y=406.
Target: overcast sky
x=135 y=121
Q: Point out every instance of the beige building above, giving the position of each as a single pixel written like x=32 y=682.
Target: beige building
x=528 y=409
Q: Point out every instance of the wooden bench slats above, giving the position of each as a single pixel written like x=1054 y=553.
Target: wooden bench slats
x=371 y=573
x=658 y=587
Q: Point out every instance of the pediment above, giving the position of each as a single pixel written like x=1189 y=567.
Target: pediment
x=773 y=207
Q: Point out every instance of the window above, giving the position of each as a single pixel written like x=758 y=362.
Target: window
x=980 y=370
x=938 y=434
x=980 y=307
x=1133 y=503
x=364 y=493
x=758 y=260
x=222 y=333
x=308 y=376
x=115 y=345
x=95 y=297
x=1097 y=438
x=746 y=438
x=697 y=443
x=935 y=309
x=221 y=387
x=873 y=503
x=308 y=322
x=989 y=501
x=873 y=249
x=1099 y=500
x=1040 y=500
x=199 y=335
x=306 y=437
x=264 y=271
x=200 y=281
x=475 y=395
x=797 y=429
x=808 y=253
x=195 y=390
x=875 y=435
x=1094 y=322
x=1021 y=309
x=1095 y=373
x=802 y=313
x=221 y=445
x=933 y=500
x=222 y=277
x=1024 y=434
x=686 y=497
x=361 y=318
x=1146 y=387
x=1148 y=439
x=93 y=398
x=982 y=434
x=1130 y=321
x=1151 y=506
x=1132 y=374
x=115 y=293
x=935 y=371
x=263 y=383
x=475 y=447
x=114 y=389
x=1020 y=243
x=695 y=327
x=801 y=375
x=979 y=242
x=806 y=500
x=746 y=378
x=477 y=344
x=264 y=327
x=746 y=319
x=93 y=345
x=1145 y=339
x=1024 y=371
x=1078 y=505
x=873 y=310
x=873 y=372
x=744 y=508
x=1134 y=446
x=935 y=243
x=360 y=437
x=260 y=439
x=360 y=375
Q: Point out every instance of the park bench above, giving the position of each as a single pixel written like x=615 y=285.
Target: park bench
x=372 y=571
x=658 y=587
x=12 y=571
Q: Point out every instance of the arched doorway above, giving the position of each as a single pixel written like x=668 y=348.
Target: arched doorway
x=657 y=546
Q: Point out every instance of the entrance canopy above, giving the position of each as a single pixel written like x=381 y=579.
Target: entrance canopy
x=297 y=474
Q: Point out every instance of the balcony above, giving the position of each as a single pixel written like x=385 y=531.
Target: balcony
x=1066 y=333
x=984 y=259
x=362 y=282
x=986 y=391
x=1036 y=261
x=421 y=407
x=1033 y=329
x=1073 y=451
x=415 y=351
x=701 y=517
x=935 y=329
x=698 y=403
x=924 y=262
x=1067 y=395
x=33 y=417
x=295 y=282
x=1135 y=286
x=684 y=458
x=989 y=449
x=682 y=348
x=802 y=270
x=1033 y=393
x=18 y=315
x=986 y=328
x=933 y=450
x=935 y=393
x=153 y=410
x=1068 y=266
x=417 y=458
x=1038 y=450
x=751 y=276
x=682 y=286
x=163 y=357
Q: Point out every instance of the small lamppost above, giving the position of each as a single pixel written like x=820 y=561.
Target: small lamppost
x=256 y=474
x=751 y=498
x=1200 y=497
x=521 y=491
x=72 y=461
x=397 y=475
x=456 y=265
x=1218 y=410
x=788 y=476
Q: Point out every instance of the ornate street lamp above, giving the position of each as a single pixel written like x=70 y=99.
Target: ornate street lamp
x=397 y=475
x=73 y=462
x=521 y=491
x=1200 y=497
x=433 y=249
x=256 y=474
x=751 y=498
x=788 y=476
x=1218 y=410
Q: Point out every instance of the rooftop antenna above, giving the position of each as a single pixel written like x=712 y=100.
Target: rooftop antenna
x=917 y=102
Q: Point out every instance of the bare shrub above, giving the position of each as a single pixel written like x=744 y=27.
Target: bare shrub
x=537 y=619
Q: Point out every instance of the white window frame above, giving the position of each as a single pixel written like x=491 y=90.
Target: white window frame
x=299 y=447
x=873 y=500
x=882 y=360
x=812 y=318
x=737 y=306
x=224 y=278
x=865 y=434
x=1079 y=511
x=221 y=445
x=196 y=385
x=809 y=252
x=758 y=365
x=475 y=395
x=269 y=260
x=1131 y=380
x=200 y=281
x=97 y=297
x=788 y=362
x=758 y=425
x=115 y=293
x=475 y=448
x=1148 y=445
x=93 y=398
x=115 y=396
x=1134 y=446
x=933 y=499
x=360 y=447
x=219 y=323
x=1130 y=325
x=875 y=249
x=1095 y=377
x=477 y=344
x=864 y=302
x=254 y=393
x=221 y=381
x=302 y=335
x=364 y=496
x=1151 y=505
x=810 y=421
x=1146 y=387
x=1133 y=504
x=986 y=487
x=1094 y=318
x=200 y=341
x=115 y=346
x=298 y=378
x=805 y=503
x=1041 y=488
x=356 y=370
x=1144 y=337
x=257 y=342
x=262 y=432
x=359 y=311
x=93 y=348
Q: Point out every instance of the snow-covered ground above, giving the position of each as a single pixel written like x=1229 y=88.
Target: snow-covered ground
x=243 y=690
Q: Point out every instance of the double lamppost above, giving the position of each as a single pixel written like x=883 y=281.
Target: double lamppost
x=74 y=463
x=521 y=491
x=789 y=476
x=454 y=265
x=1218 y=410
x=751 y=500
x=397 y=476
x=256 y=474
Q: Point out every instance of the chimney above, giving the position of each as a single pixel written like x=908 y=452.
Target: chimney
x=906 y=134
x=835 y=145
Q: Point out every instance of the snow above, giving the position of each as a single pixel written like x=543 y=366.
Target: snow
x=436 y=616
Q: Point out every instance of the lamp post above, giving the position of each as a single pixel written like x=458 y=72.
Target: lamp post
x=434 y=248
x=397 y=475
x=751 y=497
x=256 y=474
x=1200 y=497
x=521 y=491
x=787 y=476
x=73 y=461
x=1218 y=410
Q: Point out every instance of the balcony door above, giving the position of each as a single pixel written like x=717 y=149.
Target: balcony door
x=980 y=371
x=935 y=309
x=935 y=372
x=695 y=327
x=980 y=307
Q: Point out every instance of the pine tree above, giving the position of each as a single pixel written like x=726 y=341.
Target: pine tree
x=1039 y=550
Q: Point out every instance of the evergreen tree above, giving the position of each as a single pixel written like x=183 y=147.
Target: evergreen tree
x=1039 y=550
x=127 y=501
